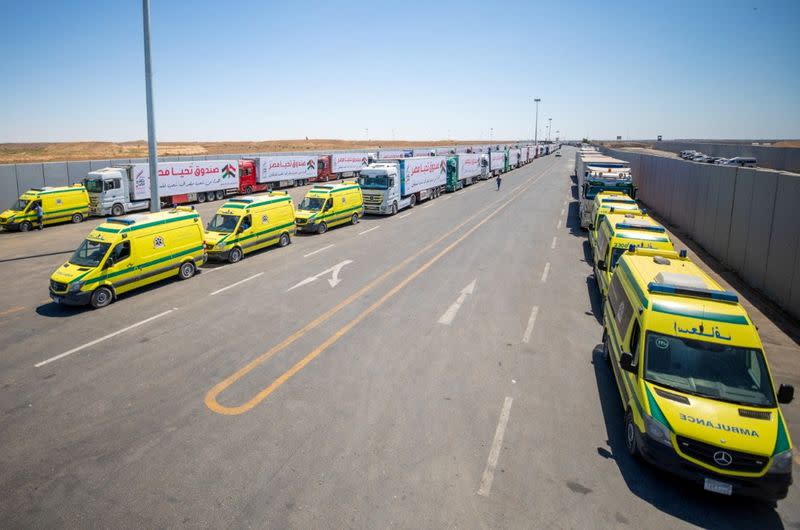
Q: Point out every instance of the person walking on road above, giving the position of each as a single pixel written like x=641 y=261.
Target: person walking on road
x=499 y=181
x=39 y=215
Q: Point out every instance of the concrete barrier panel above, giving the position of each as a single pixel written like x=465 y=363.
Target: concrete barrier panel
x=794 y=299
x=740 y=217
x=758 y=233
x=29 y=176
x=55 y=174
x=784 y=239
x=726 y=181
x=76 y=171
x=9 y=192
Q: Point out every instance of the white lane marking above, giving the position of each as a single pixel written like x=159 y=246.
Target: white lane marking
x=553 y=244
x=237 y=283
x=558 y=225
x=565 y=203
x=202 y=271
x=404 y=215
x=318 y=250
x=531 y=321
x=447 y=198
x=369 y=230
x=428 y=205
x=546 y=271
x=333 y=280
x=562 y=211
x=106 y=337
x=450 y=314
x=494 y=452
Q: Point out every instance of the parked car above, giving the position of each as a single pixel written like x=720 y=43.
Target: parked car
x=688 y=154
x=741 y=161
x=700 y=157
x=720 y=161
x=714 y=159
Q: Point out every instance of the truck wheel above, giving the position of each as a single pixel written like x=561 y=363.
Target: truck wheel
x=322 y=228
x=630 y=435
x=117 y=210
x=186 y=271
x=77 y=218
x=201 y=197
x=248 y=190
x=394 y=208
x=413 y=201
x=354 y=219
x=235 y=255
x=284 y=240
x=25 y=226
x=101 y=297
x=220 y=195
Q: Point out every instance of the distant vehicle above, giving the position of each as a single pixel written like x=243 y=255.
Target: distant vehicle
x=558 y=153
x=687 y=154
x=391 y=185
x=741 y=161
x=59 y=204
x=714 y=159
x=720 y=161
x=328 y=205
x=701 y=158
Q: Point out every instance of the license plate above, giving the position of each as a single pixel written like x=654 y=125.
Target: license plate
x=716 y=486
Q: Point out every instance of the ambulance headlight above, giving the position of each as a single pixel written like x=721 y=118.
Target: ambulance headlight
x=221 y=244
x=74 y=287
x=781 y=463
x=656 y=431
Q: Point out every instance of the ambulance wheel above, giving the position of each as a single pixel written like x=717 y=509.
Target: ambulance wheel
x=354 y=219
x=412 y=201
x=235 y=255
x=201 y=197
x=25 y=226
x=284 y=240
x=394 y=208
x=322 y=228
x=77 y=218
x=186 y=271
x=117 y=210
x=220 y=195
x=101 y=297
x=630 y=435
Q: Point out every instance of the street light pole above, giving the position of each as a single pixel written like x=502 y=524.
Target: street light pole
x=491 y=134
x=536 y=128
x=152 y=151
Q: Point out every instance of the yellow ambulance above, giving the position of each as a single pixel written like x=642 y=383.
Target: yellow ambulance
x=694 y=382
x=246 y=224
x=329 y=205
x=615 y=205
x=128 y=252
x=59 y=204
x=616 y=234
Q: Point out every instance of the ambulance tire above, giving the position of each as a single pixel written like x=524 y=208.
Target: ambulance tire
x=101 y=297
x=186 y=270
x=77 y=218
x=235 y=255
x=354 y=219
x=25 y=226
x=220 y=195
x=606 y=352
x=284 y=240
x=322 y=228
x=117 y=210
x=630 y=435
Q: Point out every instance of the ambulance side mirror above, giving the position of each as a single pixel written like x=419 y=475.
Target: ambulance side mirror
x=785 y=394
x=109 y=263
x=626 y=362
x=601 y=265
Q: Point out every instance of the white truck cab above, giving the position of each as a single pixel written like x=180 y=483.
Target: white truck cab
x=109 y=192
x=380 y=185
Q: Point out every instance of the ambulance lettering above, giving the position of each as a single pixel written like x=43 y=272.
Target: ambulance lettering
x=719 y=426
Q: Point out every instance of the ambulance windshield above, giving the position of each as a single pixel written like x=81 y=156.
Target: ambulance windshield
x=223 y=223
x=708 y=369
x=90 y=253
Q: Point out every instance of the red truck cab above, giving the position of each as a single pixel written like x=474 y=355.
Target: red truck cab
x=324 y=169
x=247 y=178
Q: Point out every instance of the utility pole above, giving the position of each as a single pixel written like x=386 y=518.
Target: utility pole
x=536 y=127
x=152 y=148
x=549 y=125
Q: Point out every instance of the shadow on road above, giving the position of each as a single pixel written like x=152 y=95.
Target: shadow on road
x=574 y=220
x=34 y=256
x=670 y=494
x=595 y=298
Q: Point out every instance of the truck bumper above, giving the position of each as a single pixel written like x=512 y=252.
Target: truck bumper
x=69 y=298
x=377 y=209
x=770 y=487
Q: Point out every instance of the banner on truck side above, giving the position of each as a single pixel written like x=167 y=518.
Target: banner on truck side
x=347 y=162
x=469 y=165
x=514 y=157
x=423 y=152
x=392 y=153
x=497 y=160
x=424 y=173
x=179 y=178
x=286 y=167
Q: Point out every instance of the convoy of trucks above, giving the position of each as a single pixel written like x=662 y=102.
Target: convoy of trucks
x=464 y=169
x=595 y=173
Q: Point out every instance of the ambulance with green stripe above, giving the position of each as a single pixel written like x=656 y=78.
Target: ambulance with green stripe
x=325 y=206
x=606 y=203
x=246 y=224
x=690 y=368
x=59 y=204
x=616 y=234
x=125 y=253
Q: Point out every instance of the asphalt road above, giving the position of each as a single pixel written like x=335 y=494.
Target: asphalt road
x=439 y=368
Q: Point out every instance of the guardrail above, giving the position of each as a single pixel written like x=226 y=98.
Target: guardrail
x=746 y=218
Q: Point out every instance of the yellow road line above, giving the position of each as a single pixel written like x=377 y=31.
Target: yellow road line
x=12 y=310
x=211 y=397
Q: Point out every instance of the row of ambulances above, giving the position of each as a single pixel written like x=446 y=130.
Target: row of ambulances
x=698 y=397
x=125 y=253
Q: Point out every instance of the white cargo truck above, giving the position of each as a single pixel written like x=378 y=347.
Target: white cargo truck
x=125 y=188
x=388 y=186
x=497 y=162
x=286 y=170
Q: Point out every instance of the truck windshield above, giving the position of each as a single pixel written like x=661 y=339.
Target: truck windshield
x=312 y=203
x=374 y=182
x=716 y=371
x=20 y=205
x=223 y=223
x=93 y=185
x=90 y=253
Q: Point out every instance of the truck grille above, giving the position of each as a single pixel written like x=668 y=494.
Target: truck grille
x=704 y=452
x=58 y=287
x=373 y=199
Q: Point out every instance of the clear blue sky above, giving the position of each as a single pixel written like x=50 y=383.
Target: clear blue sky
x=255 y=69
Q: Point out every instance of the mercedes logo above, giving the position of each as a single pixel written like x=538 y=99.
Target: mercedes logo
x=723 y=458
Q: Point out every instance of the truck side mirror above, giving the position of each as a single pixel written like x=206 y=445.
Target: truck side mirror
x=785 y=394
x=626 y=362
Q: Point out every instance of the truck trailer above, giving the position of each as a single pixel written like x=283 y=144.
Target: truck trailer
x=391 y=185
x=462 y=170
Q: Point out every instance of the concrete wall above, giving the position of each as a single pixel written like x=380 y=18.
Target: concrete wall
x=748 y=219
x=779 y=158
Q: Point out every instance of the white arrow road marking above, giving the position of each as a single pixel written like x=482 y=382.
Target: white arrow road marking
x=333 y=280
x=494 y=452
x=450 y=314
